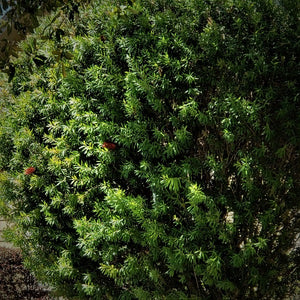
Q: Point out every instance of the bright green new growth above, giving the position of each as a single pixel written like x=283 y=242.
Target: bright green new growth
x=196 y=195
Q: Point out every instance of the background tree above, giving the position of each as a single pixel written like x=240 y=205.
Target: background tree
x=150 y=150
x=20 y=17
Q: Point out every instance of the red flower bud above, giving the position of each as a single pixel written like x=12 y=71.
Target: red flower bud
x=29 y=170
x=110 y=146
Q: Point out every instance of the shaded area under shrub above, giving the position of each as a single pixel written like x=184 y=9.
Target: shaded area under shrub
x=15 y=281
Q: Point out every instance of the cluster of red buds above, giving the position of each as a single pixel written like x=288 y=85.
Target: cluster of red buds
x=109 y=146
x=29 y=170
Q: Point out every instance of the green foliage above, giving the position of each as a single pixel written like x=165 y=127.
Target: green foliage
x=197 y=195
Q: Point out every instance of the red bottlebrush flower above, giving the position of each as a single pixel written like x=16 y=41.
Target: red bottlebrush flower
x=109 y=146
x=29 y=170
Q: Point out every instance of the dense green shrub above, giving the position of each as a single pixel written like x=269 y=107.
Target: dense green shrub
x=151 y=150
